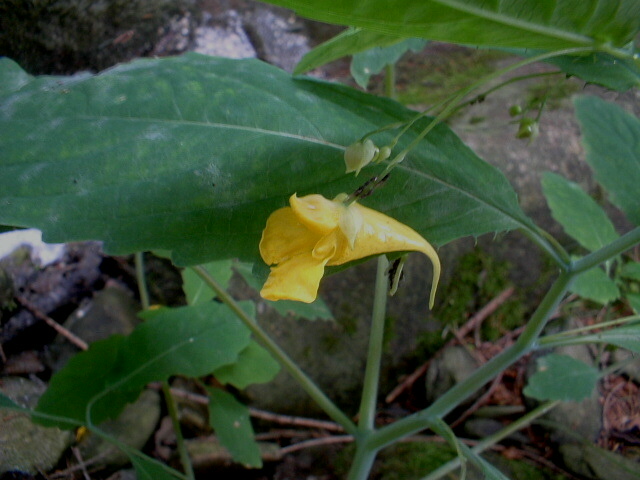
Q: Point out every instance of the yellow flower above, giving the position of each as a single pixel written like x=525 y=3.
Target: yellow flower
x=300 y=240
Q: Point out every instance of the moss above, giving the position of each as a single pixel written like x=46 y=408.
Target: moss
x=408 y=461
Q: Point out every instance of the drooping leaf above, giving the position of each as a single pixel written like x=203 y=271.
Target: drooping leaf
x=372 y=61
x=99 y=382
x=346 y=43
x=596 y=285
x=196 y=290
x=560 y=377
x=6 y=402
x=546 y=24
x=578 y=213
x=192 y=154
x=232 y=425
x=318 y=309
x=610 y=137
x=254 y=365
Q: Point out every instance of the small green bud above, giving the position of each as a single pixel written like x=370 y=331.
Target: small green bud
x=528 y=129
x=385 y=152
x=359 y=154
x=515 y=110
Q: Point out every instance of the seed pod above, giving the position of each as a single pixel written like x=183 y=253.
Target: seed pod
x=528 y=129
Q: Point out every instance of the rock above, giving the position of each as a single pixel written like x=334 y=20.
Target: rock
x=207 y=452
x=25 y=446
x=224 y=36
x=133 y=427
x=454 y=365
x=110 y=311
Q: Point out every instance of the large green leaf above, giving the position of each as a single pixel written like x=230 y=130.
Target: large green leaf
x=190 y=341
x=611 y=138
x=627 y=337
x=543 y=24
x=596 y=285
x=578 y=213
x=191 y=154
x=254 y=365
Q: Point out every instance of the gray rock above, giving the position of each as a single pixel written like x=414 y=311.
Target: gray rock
x=25 y=446
x=224 y=36
x=454 y=365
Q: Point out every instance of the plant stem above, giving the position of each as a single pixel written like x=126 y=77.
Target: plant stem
x=463 y=390
x=294 y=370
x=390 y=80
x=141 y=280
x=368 y=402
x=175 y=421
x=166 y=391
x=491 y=440
x=616 y=247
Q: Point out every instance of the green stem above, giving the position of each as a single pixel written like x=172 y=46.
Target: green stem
x=492 y=440
x=175 y=421
x=141 y=280
x=294 y=370
x=168 y=398
x=368 y=402
x=618 y=246
x=390 y=80
x=362 y=462
x=463 y=390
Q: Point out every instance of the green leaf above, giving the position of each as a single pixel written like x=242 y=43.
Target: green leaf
x=318 y=309
x=578 y=213
x=619 y=74
x=349 y=42
x=231 y=422
x=546 y=24
x=192 y=154
x=596 y=285
x=627 y=337
x=97 y=384
x=560 y=377
x=634 y=301
x=631 y=270
x=196 y=290
x=254 y=365
x=150 y=469
x=372 y=61
x=610 y=137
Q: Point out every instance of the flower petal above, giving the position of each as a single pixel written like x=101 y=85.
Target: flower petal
x=297 y=278
x=316 y=212
x=284 y=236
x=382 y=234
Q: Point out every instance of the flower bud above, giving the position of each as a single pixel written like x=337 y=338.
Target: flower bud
x=528 y=129
x=515 y=110
x=358 y=155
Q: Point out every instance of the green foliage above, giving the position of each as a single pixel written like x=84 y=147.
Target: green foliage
x=150 y=469
x=581 y=217
x=596 y=285
x=196 y=290
x=526 y=24
x=560 y=377
x=97 y=384
x=254 y=365
x=232 y=425
x=223 y=143
x=413 y=460
x=610 y=138
x=372 y=61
